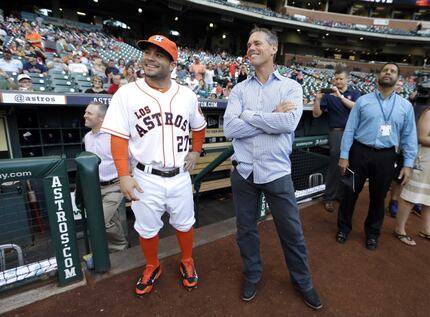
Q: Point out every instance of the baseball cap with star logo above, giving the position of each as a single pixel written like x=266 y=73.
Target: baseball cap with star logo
x=162 y=42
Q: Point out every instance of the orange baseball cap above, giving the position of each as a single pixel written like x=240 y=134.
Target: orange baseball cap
x=162 y=42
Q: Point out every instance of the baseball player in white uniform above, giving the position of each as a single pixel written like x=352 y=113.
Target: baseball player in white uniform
x=152 y=118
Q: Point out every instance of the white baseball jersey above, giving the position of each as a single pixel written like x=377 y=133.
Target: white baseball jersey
x=156 y=124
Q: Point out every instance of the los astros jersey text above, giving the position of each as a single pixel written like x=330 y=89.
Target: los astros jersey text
x=157 y=124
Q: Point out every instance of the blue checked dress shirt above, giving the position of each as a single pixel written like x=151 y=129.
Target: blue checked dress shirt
x=263 y=139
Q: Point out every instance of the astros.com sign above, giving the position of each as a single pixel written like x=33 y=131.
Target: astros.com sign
x=20 y=98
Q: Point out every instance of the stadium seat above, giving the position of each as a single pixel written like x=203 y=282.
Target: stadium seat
x=82 y=86
x=62 y=81
x=40 y=87
x=57 y=72
x=63 y=89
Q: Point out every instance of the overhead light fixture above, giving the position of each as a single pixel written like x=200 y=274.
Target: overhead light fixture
x=96 y=1
x=174 y=33
x=224 y=36
x=361 y=38
x=298 y=30
x=176 y=18
x=61 y=9
x=140 y=10
x=81 y=13
x=327 y=34
x=211 y=25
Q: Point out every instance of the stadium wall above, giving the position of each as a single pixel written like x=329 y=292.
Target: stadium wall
x=407 y=25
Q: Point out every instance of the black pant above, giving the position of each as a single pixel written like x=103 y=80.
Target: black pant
x=378 y=166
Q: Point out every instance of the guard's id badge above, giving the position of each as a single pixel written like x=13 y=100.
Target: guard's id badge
x=385 y=129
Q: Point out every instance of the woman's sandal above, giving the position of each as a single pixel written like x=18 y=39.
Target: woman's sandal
x=404 y=238
x=424 y=235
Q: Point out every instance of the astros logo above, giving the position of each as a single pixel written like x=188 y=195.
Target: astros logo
x=159 y=38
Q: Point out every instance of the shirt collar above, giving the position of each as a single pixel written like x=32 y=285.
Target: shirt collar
x=378 y=93
x=97 y=133
x=274 y=75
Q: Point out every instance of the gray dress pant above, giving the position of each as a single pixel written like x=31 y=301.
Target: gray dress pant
x=111 y=198
x=283 y=206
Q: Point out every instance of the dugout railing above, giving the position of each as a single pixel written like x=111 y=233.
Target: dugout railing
x=308 y=163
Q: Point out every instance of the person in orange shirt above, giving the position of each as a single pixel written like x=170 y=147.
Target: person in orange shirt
x=34 y=38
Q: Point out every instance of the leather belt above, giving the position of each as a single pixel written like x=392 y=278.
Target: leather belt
x=375 y=149
x=161 y=173
x=111 y=182
x=337 y=129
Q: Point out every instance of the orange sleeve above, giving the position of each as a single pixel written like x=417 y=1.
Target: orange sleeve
x=119 y=148
x=198 y=140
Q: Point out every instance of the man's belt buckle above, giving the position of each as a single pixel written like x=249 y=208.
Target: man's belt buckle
x=166 y=173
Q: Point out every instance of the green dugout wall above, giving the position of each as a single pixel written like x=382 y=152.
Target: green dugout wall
x=57 y=194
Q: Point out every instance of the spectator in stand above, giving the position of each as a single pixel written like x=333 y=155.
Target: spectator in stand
x=192 y=83
x=243 y=74
x=219 y=74
x=116 y=81
x=60 y=45
x=181 y=73
x=13 y=48
x=130 y=74
x=77 y=66
x=20 y=50
x=85 y=58
x=24 y=82
x=99 y=69
x=33 y=66
x=111 y=70
x=57 y=64
x=33 y=38
x=232 y=67
x=217 y=90
x=97 y=86
x=68 y=58
x=40 y=55
x=202 y=91
x=6 y=82
x=121 y=66
x=209 y=75
x=197 y=68
x=8 y=64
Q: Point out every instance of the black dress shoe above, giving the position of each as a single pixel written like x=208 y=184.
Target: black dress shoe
x=312 y=299
x=341 y=237
x=249 y=290
x=371 y=244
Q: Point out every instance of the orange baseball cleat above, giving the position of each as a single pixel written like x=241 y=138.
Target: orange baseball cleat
x=189 y=274
x=146 y=282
